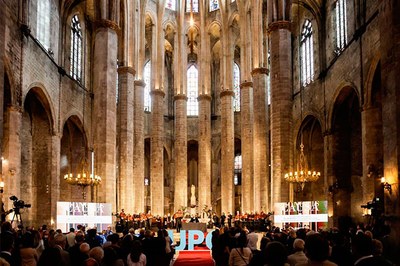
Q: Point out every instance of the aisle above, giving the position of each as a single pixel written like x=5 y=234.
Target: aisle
x=194 y=258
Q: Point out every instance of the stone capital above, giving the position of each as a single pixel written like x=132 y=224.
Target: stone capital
x=227 y=93
x=139 y=83
x=157 y=92
x=204 y=97
x=15 y=108
x=246 y=84
x=180 y=97
x=259 y=70
x=327 y=132
x=109 y=24
x=126 y=69
x=279 y=25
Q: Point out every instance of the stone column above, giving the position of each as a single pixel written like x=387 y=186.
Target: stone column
x=54 y=188
x=138 y=147
x=12 y=152
x=227 y=151
x=205 y=152
x=157 y=153
x=246 y=114
x=104 y=117
x=372 y=142
x=181 y=178
x=261 y=140
x=126 y=138
x=329 y=178
x=281 y=107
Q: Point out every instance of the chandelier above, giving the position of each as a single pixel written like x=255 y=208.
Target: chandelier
x=303 y=174
x=83 y=178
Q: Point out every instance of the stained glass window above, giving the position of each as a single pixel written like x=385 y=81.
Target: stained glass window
x=214 y=5
x=236 y=88
x=341 y=25
x=76 y=49
x=192 y=91
x=147 y=81
x=43 y=23
x=307 y=53
x=195 y=6
x=170 y=4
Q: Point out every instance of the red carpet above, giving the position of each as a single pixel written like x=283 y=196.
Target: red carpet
x=194 y=258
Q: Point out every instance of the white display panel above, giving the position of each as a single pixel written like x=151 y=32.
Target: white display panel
x=301 y=213
x=72 y=214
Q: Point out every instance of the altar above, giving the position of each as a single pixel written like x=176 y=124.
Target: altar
x=195 y=226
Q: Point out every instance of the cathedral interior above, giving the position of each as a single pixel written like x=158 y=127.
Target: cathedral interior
x=157 y=96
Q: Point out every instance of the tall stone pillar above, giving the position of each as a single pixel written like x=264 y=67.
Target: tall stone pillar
x=12 y=152
x=246 y=114
x=105 y=110
x=54 y=188
x=227 y=151
x=126 y=138
x=205 y=152
x=372 y=156
x=157 y=153
x=281 y=107
x=261 y=140
x=181 y=170
x=138 y=147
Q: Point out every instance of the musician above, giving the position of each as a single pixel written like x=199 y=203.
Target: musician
x=223 y=218
x=178 y=218
x=149 y=219
x=230 y=219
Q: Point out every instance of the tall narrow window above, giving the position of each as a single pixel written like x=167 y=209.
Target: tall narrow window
x=195 y=6
x=214 y=5
x=307 y=53
x=236 y=88
x=192 y=91
x=147 y=79
x=76 y=49
x=341 y=25
x=43 y=23
x=237 y=178
x=170 y=4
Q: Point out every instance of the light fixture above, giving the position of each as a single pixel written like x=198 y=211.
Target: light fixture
x=386 y=185
x=303 y=174
x=83 y=178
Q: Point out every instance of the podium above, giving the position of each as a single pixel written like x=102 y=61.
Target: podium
x=195 y=226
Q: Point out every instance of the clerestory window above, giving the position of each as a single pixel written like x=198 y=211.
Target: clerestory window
x=236 y=88
x=192 y=90
x=147 y=88
x=307 y=53
x=76 y=49
x=341 y=25
x=43 y=23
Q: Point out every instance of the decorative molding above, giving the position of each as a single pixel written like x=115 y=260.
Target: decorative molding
x=279 y=25
x=126 y=69
x=246 y=84
x=260 y=70
x=105 y=23
x=205 y=97
x=227 y=93
x=180 y=97
x=157 y=92
x=139 y=83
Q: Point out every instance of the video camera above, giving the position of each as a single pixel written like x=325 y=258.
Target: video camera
x=19 y=204
x=376 y=206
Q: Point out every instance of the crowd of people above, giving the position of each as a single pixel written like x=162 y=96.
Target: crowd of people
x=236 y=246
x=231 y=246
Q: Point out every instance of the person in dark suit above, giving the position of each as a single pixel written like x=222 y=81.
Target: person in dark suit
x=7 y=243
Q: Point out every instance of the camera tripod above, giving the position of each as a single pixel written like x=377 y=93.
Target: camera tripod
x=17 y=217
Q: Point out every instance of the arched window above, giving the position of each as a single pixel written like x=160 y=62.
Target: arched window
x=214 y=5
x=147 y=80
x=192 y=90
x=195 y=6
x=341 y=25
x=170 y=4
x=236 y=88
x=76 y=49
x=237 y=178
x=307 y=53
x=43 y=23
